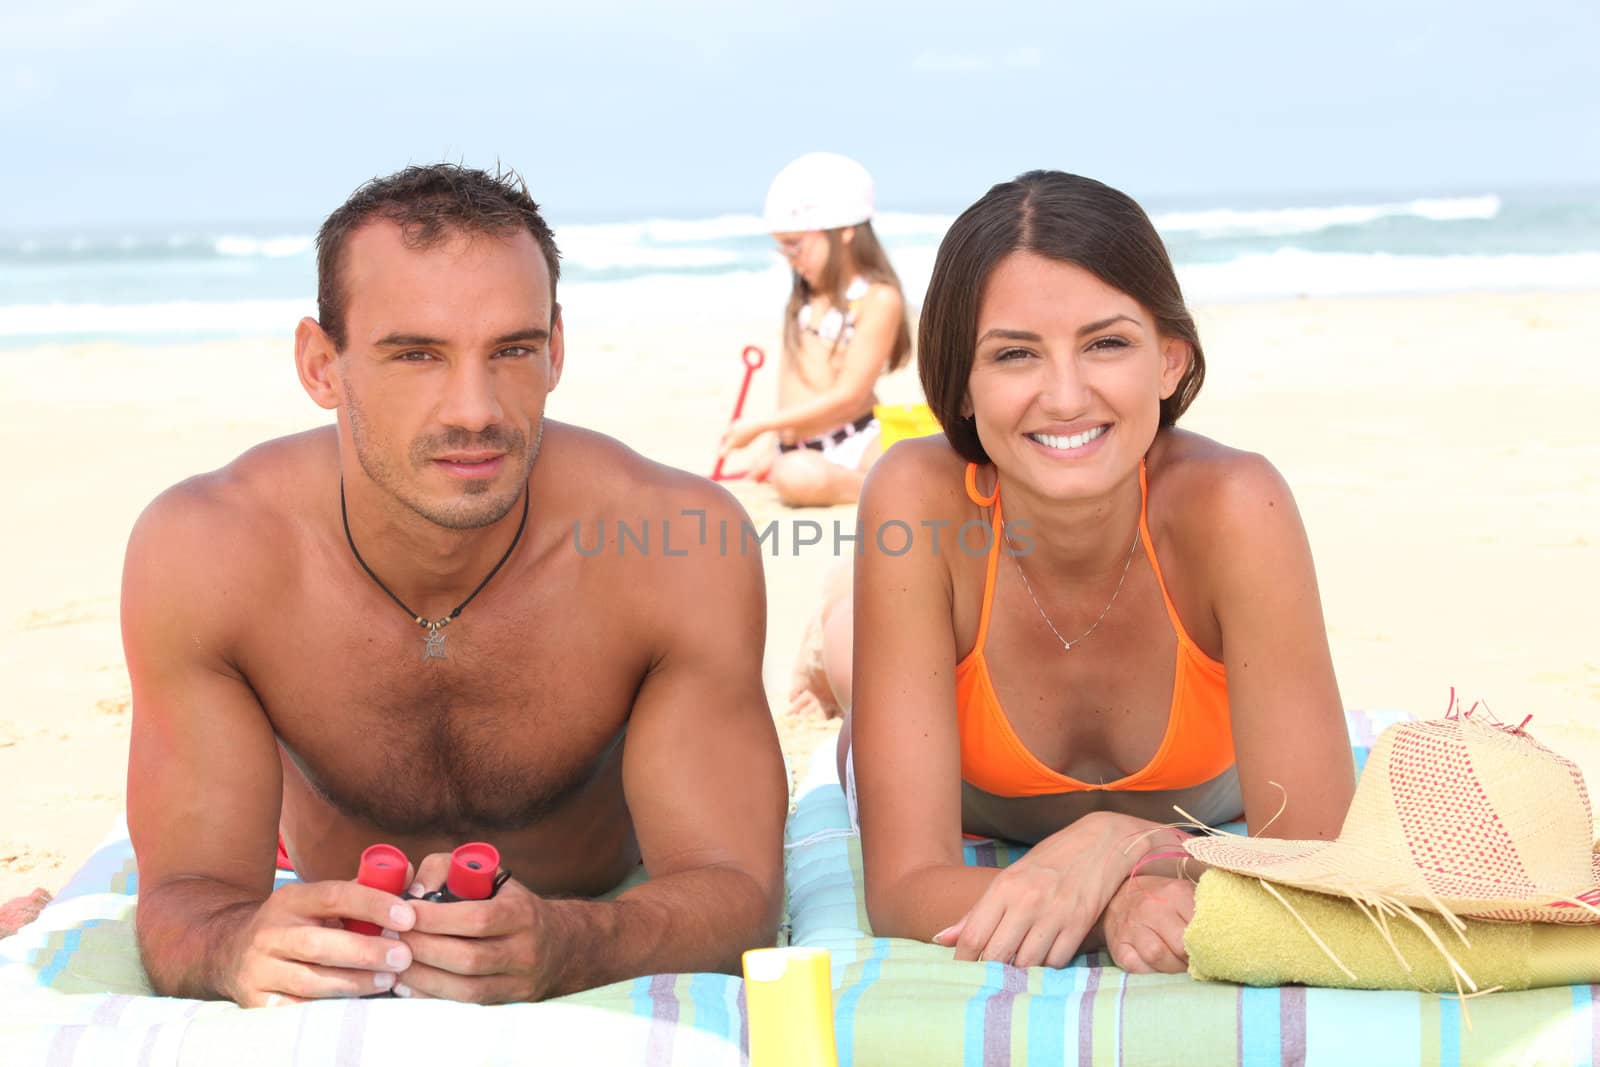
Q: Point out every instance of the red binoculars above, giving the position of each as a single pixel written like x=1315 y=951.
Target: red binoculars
x=474 y=875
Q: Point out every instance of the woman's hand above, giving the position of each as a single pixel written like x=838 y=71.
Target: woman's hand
x=1144 y=924
x=1040 y=909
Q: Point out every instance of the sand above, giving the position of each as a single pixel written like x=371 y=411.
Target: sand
x=1442 y=450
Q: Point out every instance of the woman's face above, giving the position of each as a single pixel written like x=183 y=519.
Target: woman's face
x=806 y=251
x=1067 y=377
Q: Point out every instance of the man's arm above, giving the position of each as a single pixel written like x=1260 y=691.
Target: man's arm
x=704 y=782
x=205 y=785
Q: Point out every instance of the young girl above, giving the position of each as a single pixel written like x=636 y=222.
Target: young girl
x=844 y=325
x=1100 y=616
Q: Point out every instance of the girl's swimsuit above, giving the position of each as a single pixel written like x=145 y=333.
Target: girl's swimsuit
x=1198 y=744
x=836 y=327
x=846 y=445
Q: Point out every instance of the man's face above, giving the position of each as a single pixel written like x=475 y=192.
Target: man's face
x=452 y=351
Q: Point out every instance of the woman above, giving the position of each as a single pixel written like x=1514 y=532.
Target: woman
x=845 y=323
x=1100 y=616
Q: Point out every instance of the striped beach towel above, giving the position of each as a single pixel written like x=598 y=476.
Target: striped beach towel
x=899 y=1001
x=72 y=992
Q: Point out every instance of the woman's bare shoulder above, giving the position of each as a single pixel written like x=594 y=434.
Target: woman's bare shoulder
x=1199 y=473
x=923 y=475
x=1218 y=502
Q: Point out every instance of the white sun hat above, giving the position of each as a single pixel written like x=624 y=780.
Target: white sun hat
x=819 y=191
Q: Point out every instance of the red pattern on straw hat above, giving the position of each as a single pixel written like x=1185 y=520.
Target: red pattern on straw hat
x=1457 y=815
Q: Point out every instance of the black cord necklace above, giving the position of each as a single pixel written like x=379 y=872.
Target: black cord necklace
x=433 y=641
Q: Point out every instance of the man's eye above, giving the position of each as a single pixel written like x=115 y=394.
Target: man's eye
x=516 y=352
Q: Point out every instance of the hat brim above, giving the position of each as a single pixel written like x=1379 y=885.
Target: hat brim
x=1344 y=869
x=806 y=222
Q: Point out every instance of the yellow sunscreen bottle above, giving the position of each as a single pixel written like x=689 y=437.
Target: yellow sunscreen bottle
x=789 y=998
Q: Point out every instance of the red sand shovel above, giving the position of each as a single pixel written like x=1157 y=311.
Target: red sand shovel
x=752 y=358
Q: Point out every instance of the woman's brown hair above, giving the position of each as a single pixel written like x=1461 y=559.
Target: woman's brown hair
x=1062 y=217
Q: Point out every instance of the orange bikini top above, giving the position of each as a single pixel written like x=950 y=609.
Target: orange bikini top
x=1198 y=744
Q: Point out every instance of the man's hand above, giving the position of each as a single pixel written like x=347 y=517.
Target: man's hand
x=1144 y=924
x=1040 y=909
x=484 y=951
x=295 y=948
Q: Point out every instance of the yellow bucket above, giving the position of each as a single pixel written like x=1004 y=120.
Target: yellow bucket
x=896 y=422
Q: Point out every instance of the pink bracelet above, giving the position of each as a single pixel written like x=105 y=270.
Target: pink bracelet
x=1156 y=856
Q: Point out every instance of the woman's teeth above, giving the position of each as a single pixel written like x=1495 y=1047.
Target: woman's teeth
x=1076 y=440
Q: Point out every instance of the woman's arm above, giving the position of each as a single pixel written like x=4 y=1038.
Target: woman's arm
x=1288 y=722
x=879 y=314
x=903 y=719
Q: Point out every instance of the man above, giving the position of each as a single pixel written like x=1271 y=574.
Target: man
x=381 y=631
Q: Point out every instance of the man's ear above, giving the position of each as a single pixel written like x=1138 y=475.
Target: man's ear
x=316 y=360
x=558 y=347
x=1176 y=355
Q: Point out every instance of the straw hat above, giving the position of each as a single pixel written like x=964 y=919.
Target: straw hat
x=1455 y=815
x=819 y=191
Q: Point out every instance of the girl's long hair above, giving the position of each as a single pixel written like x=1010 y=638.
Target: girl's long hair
x=872 y=263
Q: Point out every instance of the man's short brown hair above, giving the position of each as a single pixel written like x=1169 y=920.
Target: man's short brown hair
x=430 y=204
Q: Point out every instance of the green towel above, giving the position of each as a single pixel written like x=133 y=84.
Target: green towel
x=1242 y=933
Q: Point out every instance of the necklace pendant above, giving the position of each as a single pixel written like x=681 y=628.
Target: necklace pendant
x=433 y=644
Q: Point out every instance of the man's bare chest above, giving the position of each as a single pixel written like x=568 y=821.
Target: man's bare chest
x=496 y=730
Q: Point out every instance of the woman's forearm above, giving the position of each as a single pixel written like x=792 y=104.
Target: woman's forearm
x=925 y=901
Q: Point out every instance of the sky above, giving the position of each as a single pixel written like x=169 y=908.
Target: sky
x=114 y=112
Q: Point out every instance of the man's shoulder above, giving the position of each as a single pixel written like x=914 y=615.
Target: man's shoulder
x=248 y=501
x=212 y=553
x=610 y=475
x=664 y=533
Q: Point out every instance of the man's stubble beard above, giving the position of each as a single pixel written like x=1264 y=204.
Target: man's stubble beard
x=479 y=506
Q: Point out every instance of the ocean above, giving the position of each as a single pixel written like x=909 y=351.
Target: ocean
x=162 y=284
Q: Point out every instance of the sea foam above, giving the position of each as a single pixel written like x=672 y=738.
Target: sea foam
x=1306 y=220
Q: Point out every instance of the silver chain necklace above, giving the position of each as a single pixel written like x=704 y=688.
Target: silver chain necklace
x=1065 y=644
